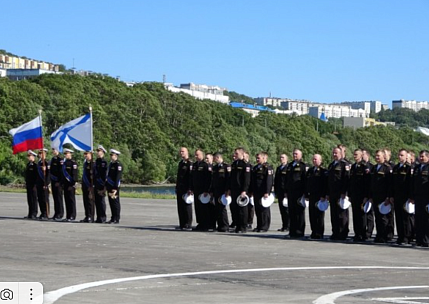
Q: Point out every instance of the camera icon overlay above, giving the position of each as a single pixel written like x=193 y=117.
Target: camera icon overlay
x=6 y=294
x=21 y=293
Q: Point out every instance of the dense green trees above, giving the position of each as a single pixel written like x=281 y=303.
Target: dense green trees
x=148 y=124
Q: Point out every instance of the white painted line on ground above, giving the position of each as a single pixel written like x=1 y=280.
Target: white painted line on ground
x=52 y=296
x=330 y=298
x=405 y=300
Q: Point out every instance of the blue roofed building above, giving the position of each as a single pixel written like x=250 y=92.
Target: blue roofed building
x=249 y=108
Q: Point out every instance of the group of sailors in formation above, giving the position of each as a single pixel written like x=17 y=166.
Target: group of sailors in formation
x=379 y=194
x=61 y=176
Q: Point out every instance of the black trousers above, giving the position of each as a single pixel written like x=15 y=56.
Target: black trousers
x=184 y=210
x=43 y=199
x=32 y=200
x=381 y=221
x=370 y=222
x=422 y=221
x=404 y=221
x=242 y=216
x=88 y=201
x=70 y=199
x=221 y=216
x=263 y=214
x=115 y=207
x=317 y=218
x=212 y=213
x=250 y=213
x=339 y=218
x=359 y=218
x=297 y=215
x=57 y=195
x=100 y=205
x=233 y=207
x=284 y=212
x=201 y=211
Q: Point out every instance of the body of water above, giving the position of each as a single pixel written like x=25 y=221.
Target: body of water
x=152 y=189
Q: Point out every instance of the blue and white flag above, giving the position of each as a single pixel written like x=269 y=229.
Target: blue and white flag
x=77 y=132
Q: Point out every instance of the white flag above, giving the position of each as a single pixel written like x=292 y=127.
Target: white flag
x=77 y=132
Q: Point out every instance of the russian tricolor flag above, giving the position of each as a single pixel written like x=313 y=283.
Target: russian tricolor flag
x=28 y=136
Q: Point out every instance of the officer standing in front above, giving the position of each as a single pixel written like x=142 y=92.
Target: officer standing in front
x=218 y=188
x=295 y=188
x=30 y=184
x=262 y=183
x=56 y=184
x=212 y=204
x=239 y=187
x=400 y=192
x=113 y=182
x=338 y=177
x=250 y=207
x=359 y=173
x=43 y=180
x=100 y=172
x=419 y=195
x=316 y=190
x=200 y=185
x=280 y=191
x=69 y=178
x=88 y=188
x=183 y=186
x=379 y=193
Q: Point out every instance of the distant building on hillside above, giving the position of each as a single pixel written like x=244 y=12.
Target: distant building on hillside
x=14 y=62
x=372 y=106
x=252 y=109
x=360 y=122
x=410 y=104
x=21 y=74
x=200 y=91
x=336 y=111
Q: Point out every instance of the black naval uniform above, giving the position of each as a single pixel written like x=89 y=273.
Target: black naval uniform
x=212 y=213
x=69 y=178
x=88 y=191
x=280 y=191
x=316 y=190
x=370 y=216
x=30 y=184
x=56 y=184
x=296 y=186
x=379 y=191
x=338 y=177
x=182 y=187
x=220 y=179
x=250 y=207
x=359 y=173
x=400 y=191
x=113 y=182
x=200 y=183
x=43 y=180
x=239 y=182
x=100 y=172
x=420 y=194
x=262 y=183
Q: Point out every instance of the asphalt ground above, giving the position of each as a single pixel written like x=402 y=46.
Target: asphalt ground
x=168 y=266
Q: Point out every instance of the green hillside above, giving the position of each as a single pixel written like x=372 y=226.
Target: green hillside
x=148 y=124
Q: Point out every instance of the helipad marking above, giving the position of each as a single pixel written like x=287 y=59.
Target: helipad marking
x=52 y=296
x=330 y=298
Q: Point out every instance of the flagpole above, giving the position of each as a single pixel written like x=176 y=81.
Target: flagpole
x=45 y=190
x=91 y=171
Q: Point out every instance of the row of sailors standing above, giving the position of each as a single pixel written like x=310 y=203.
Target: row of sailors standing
x=62 y=173
x=383 y=186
